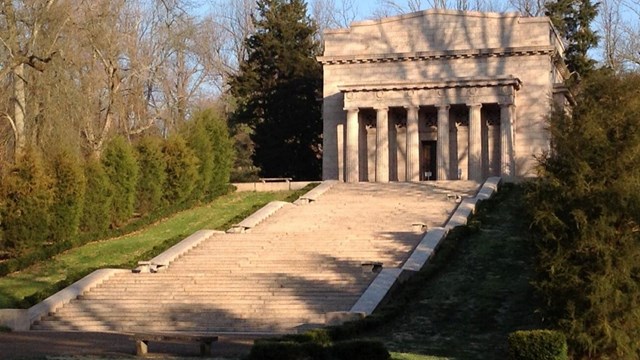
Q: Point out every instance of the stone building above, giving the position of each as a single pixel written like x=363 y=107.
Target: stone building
x=439 y=94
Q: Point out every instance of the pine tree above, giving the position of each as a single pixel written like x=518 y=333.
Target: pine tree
x=277 y=90
x=573 y=18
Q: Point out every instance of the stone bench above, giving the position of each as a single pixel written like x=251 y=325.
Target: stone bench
x=142 y=341
x=265 y=180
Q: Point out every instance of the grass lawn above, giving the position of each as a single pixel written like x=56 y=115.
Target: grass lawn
x=125 y=251
x=476 y=292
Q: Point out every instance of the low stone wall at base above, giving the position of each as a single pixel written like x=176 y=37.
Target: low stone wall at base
x=260 y=186
x=21 y=319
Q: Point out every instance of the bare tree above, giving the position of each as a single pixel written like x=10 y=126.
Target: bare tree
x=333 y=14
x=610 y=23
x=233 y=18
x=26 y=45
x=529 y=7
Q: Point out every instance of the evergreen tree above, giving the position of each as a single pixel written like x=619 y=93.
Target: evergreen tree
x=121 y=166
x=573 y=18
x=68 y=195
x=586 y=208
x=223 y=152
x=182 y=170
x=277 y=90
x=27 y=193
x=97 y=200
x=153 y=174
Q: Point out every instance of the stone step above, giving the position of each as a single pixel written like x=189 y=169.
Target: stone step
x=283 y=274
x=306 y=283
x=162 y=298
x=229 y=293
x=249 y=328
x=202 y=316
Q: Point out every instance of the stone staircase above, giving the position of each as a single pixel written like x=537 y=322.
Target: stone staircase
x=283 y=275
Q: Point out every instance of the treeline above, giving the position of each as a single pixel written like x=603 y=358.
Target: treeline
x=54 y=201
x=586 y=212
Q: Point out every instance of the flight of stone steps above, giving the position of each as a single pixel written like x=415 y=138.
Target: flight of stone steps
x=283 y=275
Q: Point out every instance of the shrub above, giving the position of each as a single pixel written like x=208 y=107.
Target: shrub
x=27 y=197
x=97 y=199
x=286 y=350
x=222 y=150
x=198 y=140
x=182 y=170
x=122 y=168
x=585 y=208
x=537 y=345
x=68 y=196
x=316 y=336
x=153 y=174
x=359 y=349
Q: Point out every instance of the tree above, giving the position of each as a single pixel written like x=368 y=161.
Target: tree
x=27 y=193
x=586 y=210
x=121 y=167
x=29 y=32
x=68 y=196
x=182 y=170
x=153 y=174
x=98 y=198
x=573 y=20
x=277 y=90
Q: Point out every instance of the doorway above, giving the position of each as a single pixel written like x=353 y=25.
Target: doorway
x=428 y=160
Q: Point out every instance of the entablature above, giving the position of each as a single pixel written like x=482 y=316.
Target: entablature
x=438 y=55
x=437 y=92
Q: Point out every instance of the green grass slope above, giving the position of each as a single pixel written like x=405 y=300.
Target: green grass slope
x=44 y=278
x=475 y=292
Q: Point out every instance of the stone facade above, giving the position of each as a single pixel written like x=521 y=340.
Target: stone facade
x=439 y=94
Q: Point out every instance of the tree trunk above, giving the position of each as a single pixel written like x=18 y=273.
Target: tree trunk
x=19 y=109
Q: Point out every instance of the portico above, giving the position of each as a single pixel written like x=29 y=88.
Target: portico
x=438 y=95
x=403 y=119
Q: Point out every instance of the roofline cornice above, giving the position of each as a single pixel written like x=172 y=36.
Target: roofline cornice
x=437 y=55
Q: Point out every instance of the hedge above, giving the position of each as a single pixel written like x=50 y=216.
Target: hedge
x=537 y=345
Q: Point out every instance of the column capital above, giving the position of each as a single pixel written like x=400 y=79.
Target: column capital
x=507 y=104
x=381 y=108
x=443 y=107
x=352 y=109
x=474 y=105
x=408 y=107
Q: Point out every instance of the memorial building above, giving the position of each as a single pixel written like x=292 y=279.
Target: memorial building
x=439 y=95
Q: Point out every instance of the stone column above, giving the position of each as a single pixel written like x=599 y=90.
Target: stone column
x=382 y=144
x=443 y=143
x=353 y=133
x=507 y=116
x=413 y=145
x=475 y=142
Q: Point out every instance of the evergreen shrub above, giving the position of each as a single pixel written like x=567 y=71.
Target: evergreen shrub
x=198 y=140
x=121 y=166
x=537 y=345
x=222 y=150
x=27 y=193
x=68 y=196
x=359 y=349
x=97 y=200
x=153 y=176
x=585 y=208
x=182 y=170
x=287 y=350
